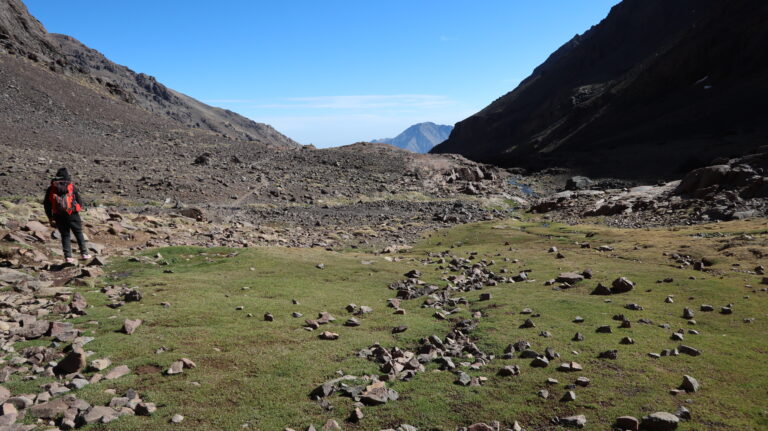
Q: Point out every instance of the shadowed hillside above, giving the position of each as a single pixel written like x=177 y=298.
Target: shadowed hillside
x=656 y=88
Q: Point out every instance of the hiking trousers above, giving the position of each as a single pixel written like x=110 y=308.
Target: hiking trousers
x=71 y=223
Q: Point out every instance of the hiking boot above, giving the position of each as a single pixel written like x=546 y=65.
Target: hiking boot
x=70 y=260
x=85 y=256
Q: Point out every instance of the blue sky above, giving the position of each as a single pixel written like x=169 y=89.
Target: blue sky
x=330 y=72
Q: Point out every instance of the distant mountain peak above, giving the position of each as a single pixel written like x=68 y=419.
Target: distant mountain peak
x=419 y=138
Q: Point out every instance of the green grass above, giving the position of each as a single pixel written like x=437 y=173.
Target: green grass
x=260 y=373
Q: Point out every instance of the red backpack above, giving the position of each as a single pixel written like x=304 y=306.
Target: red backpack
x=62 y=197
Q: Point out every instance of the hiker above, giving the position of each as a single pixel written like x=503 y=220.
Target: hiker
x=63 y=204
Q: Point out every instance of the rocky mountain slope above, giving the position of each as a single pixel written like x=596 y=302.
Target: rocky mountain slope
x=419 y=138
x=655 y=89
x=71 y=64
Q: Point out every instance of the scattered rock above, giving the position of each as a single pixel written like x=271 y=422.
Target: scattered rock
x=660 y=421
x=130 y=325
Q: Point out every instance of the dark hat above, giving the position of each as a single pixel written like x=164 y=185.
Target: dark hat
x=62 y=173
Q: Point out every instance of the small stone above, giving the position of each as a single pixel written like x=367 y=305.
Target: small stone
x=660 y=421
x=577 y=421
x=509 y=370
x=352 y=322
x=78 y=383
x=463 y=379
x=683 y=413
x=528 y=324
x=145 y=409
x=100 y=364
x=601 y=290
x=327 y=335
x=399 y=329
x=604 y=329
x=627 y=423
x=621 y=285
x=627 y=340
x=582 y=381
x=130 y=325
x=544 y=394
x=177 y=419
x=689 y=384
x=175 y=368
x=357 y=415
x=117 y=372
x=268 y=317
x=568 y=396
x=689 y=350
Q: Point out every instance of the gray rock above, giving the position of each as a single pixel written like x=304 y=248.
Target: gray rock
x=683 y=413
x=689 y=350
x=175 y=368
x=117 y=372
x=578 y=421
x=627 y=423
x=569 y=277
x=130 y=325
x=509 y=370
x=689 y=384
x=145 y=409
x=463 y=379
x=528 y=324
x=98 y=414
x=660 y=421
x=601 y=290
x=622 y=285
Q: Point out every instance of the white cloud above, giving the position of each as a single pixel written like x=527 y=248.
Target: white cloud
x=357 y=102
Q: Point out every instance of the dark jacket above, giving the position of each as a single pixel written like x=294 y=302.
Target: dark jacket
x=47 y=199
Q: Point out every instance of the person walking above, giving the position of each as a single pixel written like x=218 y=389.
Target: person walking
x=63 y=204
